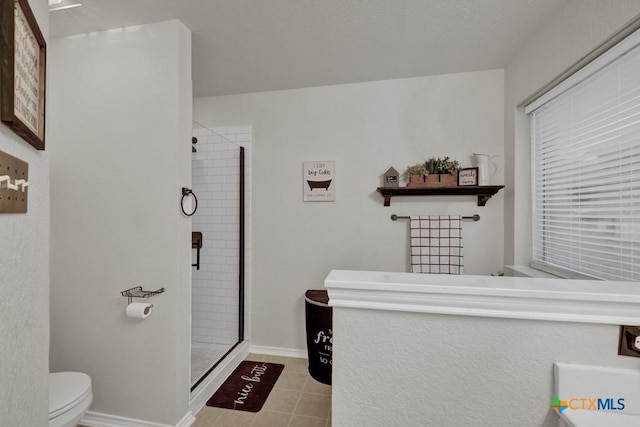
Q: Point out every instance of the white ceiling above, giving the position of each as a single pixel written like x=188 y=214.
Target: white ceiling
x=242 y=46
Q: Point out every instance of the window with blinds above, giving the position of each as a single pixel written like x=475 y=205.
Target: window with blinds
x=586 y=162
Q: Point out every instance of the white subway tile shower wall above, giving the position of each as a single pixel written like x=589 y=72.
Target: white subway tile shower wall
x=215 y=171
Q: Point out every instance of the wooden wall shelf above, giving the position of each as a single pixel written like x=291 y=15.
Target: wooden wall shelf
x=484 y=192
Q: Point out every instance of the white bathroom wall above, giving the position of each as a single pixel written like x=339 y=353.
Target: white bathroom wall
x=414 y=369
x=569 y=34
x=365 y=128
x=24 y=280
x=215 y=302
x=120 y=146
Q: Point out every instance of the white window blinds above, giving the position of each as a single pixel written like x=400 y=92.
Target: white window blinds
x=586 y=164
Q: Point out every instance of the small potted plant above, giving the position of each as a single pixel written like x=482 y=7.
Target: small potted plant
x=441 y=172
x=415 y=175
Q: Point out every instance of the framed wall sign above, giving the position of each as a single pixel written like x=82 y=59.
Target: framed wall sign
x=468 y=177
x=22 y=72
x=319 y=181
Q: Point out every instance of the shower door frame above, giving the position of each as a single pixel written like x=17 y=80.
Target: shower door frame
x=241 y=267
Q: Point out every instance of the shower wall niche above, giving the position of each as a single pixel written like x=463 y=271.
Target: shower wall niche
x=217 y=300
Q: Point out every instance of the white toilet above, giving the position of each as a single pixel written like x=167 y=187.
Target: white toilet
x=70 y=395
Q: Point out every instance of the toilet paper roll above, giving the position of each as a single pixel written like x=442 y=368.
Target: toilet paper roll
x=139 y=310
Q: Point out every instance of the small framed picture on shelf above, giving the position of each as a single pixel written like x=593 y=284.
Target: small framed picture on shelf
x=468 y=177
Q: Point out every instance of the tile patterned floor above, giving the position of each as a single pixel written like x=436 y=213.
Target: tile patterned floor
x=297 y=400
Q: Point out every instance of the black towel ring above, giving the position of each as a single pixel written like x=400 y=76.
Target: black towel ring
x=186 y=192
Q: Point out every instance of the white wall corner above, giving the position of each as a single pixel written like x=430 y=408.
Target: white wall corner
x=147 y=92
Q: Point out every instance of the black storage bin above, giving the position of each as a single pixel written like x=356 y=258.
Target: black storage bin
x=319 y=320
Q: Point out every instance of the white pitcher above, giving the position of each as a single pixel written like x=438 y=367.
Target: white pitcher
x=484 y=164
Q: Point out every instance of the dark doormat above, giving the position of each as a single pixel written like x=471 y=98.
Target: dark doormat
x=248 y=387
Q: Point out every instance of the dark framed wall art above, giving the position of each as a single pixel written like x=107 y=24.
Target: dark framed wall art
x=22 y=72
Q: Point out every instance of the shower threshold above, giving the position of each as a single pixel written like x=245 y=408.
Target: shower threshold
x=205 y=357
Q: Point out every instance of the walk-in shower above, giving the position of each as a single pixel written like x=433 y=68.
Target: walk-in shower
x=220 y=177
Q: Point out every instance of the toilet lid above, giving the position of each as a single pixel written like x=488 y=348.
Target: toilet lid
x=65 y=390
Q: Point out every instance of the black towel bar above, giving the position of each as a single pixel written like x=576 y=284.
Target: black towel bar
x=395 y=217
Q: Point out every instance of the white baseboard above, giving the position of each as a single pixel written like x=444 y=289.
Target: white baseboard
x=278 y=351
x=205 y=390
x=200 y=395
x=98 y=419
x=187 y=420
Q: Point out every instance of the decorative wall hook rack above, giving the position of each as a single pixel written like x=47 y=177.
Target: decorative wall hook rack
x=137 y=292
x=14 y=184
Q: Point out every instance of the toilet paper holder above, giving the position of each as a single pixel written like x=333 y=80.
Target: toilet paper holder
x=137 y=292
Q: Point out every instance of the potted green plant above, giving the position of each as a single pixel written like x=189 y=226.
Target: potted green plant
x=441 y=172
x=415 y=174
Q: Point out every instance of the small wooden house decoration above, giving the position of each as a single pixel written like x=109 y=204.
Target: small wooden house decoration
x=391 y=178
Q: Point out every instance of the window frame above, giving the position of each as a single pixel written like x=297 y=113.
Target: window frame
x=605 y=58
